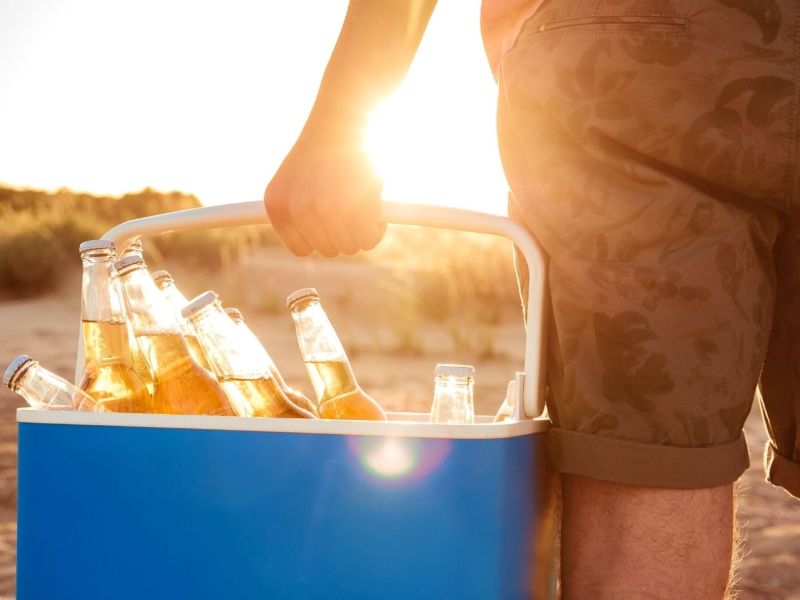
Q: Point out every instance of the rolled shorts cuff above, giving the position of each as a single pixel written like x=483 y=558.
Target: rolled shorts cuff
x=648 y=465
x=781 y=471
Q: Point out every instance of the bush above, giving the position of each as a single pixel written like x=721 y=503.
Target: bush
x=40 y=233
x=29 y=263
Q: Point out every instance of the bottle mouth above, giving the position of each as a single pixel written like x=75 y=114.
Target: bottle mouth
x=452 y=370
x=101 y=247
x=162 y=278
x=134 y=248
x=129 y=263
x=16 y=369
x=235 y=314
x=302 y=294
x=197 y=304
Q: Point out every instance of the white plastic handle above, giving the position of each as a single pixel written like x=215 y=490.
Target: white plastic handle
x=250 y=213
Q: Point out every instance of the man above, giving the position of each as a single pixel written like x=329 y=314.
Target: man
x=651 y=148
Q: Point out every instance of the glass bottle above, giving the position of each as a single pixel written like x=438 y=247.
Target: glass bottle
x=43 y=389
x=176 y=300
x=257 y=349
x=108 y=376
x=452 y=396
x=181 y=385
x=134 y=248
x=140 y=365
x=338 y=393
x=250 y=386
x=505 y=414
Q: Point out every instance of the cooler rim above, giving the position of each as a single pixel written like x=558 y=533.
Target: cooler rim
x=404 y=425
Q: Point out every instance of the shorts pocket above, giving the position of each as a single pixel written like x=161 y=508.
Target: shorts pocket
x=598 y=23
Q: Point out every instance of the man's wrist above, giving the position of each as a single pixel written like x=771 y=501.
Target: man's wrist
x=336 y=124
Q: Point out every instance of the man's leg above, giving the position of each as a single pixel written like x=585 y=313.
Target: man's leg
x=623 y=542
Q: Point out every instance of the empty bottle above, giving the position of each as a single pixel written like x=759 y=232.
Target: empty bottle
x=338 y=394
x=177 y=301
x=45 y=390
x=254 y=347
x=251 y=388
x=452 y=396
x=109 y=376
x=182 y=386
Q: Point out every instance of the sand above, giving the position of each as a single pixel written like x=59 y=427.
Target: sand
x=46 y=328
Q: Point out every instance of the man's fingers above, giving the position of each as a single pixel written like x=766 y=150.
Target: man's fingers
x=335 y=224
x=308 y=223
x=279 y=217
x=368 y=234
x=295 y=242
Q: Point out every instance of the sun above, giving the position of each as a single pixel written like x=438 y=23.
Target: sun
x=431 y=153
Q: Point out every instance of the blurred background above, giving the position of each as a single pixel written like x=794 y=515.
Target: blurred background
x=111 y=111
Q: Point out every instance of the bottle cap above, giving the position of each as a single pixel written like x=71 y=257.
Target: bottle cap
x=129 y=263
x=162 y=278
x=300 y=295
x=17 y=367
x=235 y=314
x=198 y=303
x=455 y=370
x=90 y=245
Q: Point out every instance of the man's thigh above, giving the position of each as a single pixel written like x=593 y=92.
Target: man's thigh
x=649 y=155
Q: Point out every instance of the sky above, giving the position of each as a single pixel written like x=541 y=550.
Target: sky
x=206 y=97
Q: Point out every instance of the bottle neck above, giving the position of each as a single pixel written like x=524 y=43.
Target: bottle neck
x=228 y=350
x=47 y=391
x=315 y=333
x=148 y=310
x=254 y=346
x=174 y=297
x=454 y=387
x=100 y=301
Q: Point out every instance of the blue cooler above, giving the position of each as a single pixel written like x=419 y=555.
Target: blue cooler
x=170 y=506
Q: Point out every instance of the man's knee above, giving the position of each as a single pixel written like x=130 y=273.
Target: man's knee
x=621 y=541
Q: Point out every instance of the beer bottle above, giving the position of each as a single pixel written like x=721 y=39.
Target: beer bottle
x=134 y=248
x=452 y=396
x=505 y=414
x=108 y=376
x=177 y=301
x=338 y=394
x=45 y=390
x=140 y=365
x=257 y=349
x=181 y=385
x=250 y=386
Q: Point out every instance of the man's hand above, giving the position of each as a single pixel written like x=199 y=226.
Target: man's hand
x=326 y=196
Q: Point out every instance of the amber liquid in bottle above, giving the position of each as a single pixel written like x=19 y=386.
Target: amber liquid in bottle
x=299 y=399
x=259 y=398
x=181 y=385
x=113 y=383
x=197 y=352
x=340 y=397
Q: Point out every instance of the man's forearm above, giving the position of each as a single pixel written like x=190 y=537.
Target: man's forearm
x=372 y=55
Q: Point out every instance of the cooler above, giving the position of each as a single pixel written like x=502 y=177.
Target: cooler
x=171 y=506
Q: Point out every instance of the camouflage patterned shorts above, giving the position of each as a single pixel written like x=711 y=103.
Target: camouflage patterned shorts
x=651 y=147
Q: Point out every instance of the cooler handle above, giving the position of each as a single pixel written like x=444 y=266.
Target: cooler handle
x=529 y=387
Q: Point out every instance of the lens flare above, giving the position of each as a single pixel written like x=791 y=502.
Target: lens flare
x=399 y=459
x=390 y=459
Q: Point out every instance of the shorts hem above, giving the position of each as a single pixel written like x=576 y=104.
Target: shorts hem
x=647 y=464
x=781 y=471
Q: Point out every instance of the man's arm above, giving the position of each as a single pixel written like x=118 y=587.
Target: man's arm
x=326 y=195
